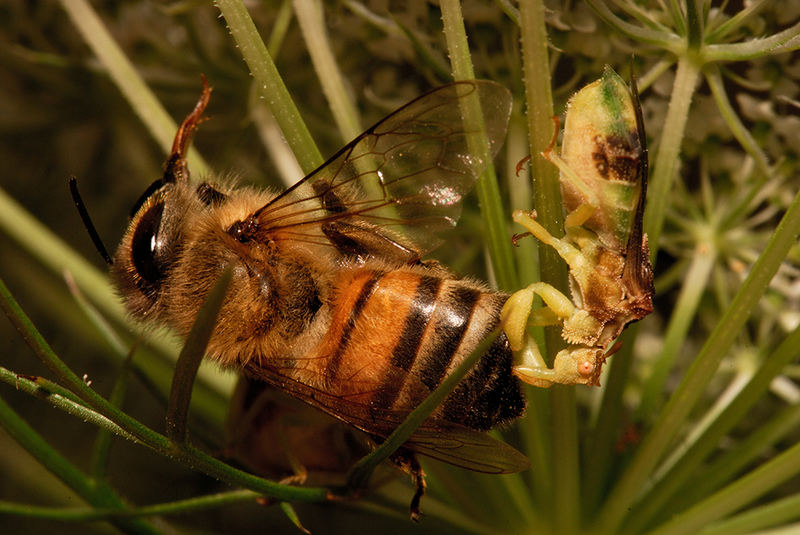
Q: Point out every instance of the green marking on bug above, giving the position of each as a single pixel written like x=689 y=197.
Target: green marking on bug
x=602 y=166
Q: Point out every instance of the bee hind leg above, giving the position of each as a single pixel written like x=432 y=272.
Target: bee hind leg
x=407 y=462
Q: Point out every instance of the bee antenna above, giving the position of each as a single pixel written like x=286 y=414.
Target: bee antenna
x=87 y=221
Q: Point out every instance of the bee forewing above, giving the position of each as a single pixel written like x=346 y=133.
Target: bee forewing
x=444 y=441
x=468 y=449
x=405 y=177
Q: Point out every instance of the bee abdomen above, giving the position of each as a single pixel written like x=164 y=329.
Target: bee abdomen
x=405 y=331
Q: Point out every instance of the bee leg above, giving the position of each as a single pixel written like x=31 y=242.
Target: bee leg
x=408 y=463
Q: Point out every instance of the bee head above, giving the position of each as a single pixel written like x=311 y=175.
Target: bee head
x=151 y=243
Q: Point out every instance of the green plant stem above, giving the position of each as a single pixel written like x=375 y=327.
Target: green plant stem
x=521 y=194
x=269 y=81
x=561 y=493
x=746 y=489
x=310 y=17
x=487 y=189
x=668 y=155
x=190 y=357
x=598 y=446
x=186 y=455
x=124 y=75
x=785 y=41
x=666 y=428
x=96 y=494
x=279 y=29
x=694 y=24
x=61 y=399
x=735 y=22
x=62 y=514
x=639 y=34
x=695 y=283
x=664 y=494
x=726 y=466
x=739 y=130
x=102 y=443
x=778 y=512
x=291 y=514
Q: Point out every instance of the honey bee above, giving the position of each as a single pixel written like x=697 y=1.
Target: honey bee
x=330 y=299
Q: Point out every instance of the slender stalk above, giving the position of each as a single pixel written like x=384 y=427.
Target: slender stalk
x=725 y=467
x=291 y=514
x=743 y=491
x=735 y=22
x=739 y=130
x=280 y=28
x=270 y=82
x=102 y=443
x=694 y=24
x=695 y=283
x=96 y=494
x=521 y=194
x=76 y=514
x=700 y=373
x=598 y=446
x=124 y=75
x=663 y=494
x=772 y=514
x=564 y=486
x=668 y=156
x=666 y=40
x=492 y=210
x=61 y=399
x=786 y=41
x=190 y=357
x=310 y=16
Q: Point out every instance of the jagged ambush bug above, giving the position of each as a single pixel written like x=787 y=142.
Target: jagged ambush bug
x=603 y=177
x=330 y=299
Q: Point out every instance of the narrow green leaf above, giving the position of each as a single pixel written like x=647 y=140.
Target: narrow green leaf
x=758 y=518
x=494 y=215
x=680 y=474
x=62 y=468
x=269 y=80
x=743 y=491
x=702 y=370
x=124 y=75
x=190 y=357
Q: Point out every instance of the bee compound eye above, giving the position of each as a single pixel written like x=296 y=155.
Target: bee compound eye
x=145 y=245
